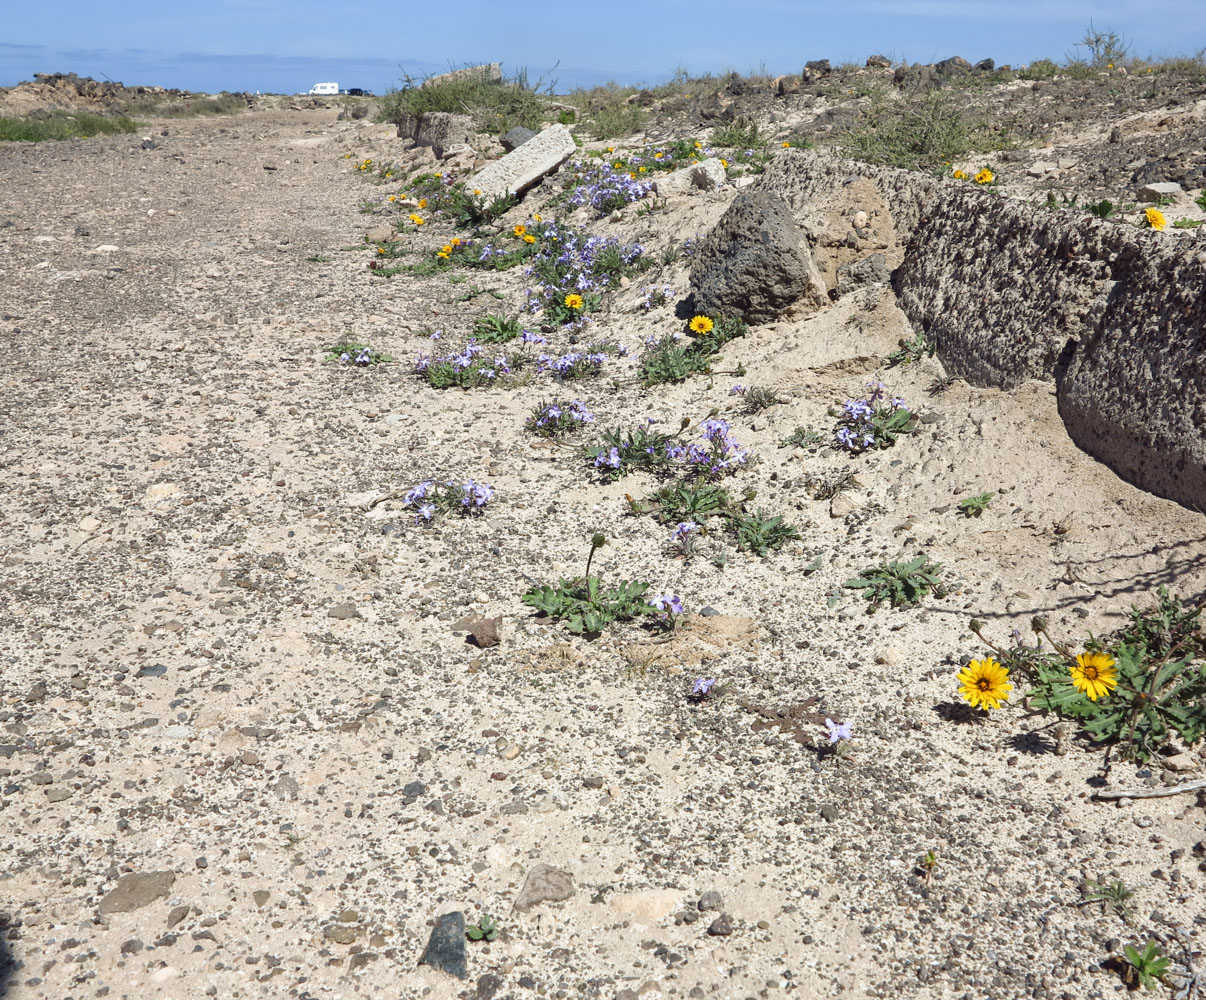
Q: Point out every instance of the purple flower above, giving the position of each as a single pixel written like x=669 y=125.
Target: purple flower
x=837 y=730
x=670 y=604
x=702 y=686
x=683 y=530
x=427 y=511
x=737 y=390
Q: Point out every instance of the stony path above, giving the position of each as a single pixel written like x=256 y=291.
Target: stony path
x=244 y=752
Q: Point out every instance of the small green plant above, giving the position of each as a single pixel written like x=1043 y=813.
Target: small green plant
x=802 y=437
x=349 y=352
x=486 y=929
x=976 y=504
x=1113 y=897
x=1186 y=223
x=1200 y=201
x=585 y=604
x=1146 y=967
x=493 y=329
x=875 y=421
x=675 y=503
x=1138 y=690
x=900 y=584
x=759 y=533
x=911 y=351
x=622 y=452
x=495 y=105
x=673 y=358
x=928 y=864
x=1102 y=209
x=757 y=398
x=318 y=259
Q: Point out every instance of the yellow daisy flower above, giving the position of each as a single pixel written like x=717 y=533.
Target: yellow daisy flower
x=1155 y=219
x=1095 y=674
x=985 y=683
x=642 y=169
x=416 y=219
x=422 y=203
x=573 y=300
x=985 y=176
x=959 y=175
x=392 y=197
x=455 y=241
x=537 y=218
x=519 y=230
x=529 y=238
x=787 y=145
x=701 y=325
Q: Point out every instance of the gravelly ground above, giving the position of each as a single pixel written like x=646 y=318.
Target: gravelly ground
x=187 y=689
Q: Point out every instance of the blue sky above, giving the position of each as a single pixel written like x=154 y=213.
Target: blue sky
x=287 y=45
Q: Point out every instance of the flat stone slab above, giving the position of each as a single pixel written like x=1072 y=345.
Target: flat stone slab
x=1158 y=190
x=524 y=166
x=490 y=72
x=136 y=890
x=544 y=884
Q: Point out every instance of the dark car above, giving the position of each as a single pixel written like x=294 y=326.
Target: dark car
x=359 y=92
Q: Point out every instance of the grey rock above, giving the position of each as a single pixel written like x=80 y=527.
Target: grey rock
x=710 y=900
x=1156 y=190
x=516 y=137
x=41 y=778
x=816 y=69
x=136 y=890
x=487 y=72
x=445 y=949
x=756 y=263
x=879 y=62
x=869 y=271
x=722 y=926
x=437 y=130
x=342 y=612
x=154 y=670
x=58 y=794
x=286 y=788
x=487 y=986
x=707 y=175
x=379 y=234
x=915 y=77
x=177 y=914
x=544 y=884
x=708 y=611
x=954 y=66
x=413 y=789
x=985 y=66
x=524 y=167
x=131 y=947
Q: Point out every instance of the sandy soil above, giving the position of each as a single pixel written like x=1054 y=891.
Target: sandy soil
x=217 y=663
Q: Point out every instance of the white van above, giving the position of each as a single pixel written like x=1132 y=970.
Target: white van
x=324 y=89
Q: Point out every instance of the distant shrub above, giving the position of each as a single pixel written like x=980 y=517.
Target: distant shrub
x=59 y=125
x=494 y=106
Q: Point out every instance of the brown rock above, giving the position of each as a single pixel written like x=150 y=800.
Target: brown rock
x=136 y=890
x=544 y=884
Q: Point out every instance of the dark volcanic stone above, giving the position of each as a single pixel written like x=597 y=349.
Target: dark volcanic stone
x=445 y=949
x=755 y=262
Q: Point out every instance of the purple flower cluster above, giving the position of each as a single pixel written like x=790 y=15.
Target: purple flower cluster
x=559 y=417
x=429 y=498
x=465 y=367
x=362 y=358
x=719 y=453
x=604 y=188
x=655 y=296
x=861 y=422
x=668 y=604
x=572 y=364
x=702 y=686
x=569 y=262
x=838 y=730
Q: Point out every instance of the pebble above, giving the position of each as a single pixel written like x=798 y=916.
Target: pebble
x=722 y=926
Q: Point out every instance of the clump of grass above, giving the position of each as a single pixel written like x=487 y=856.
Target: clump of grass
x=495 y=329
x=186 y=107
x=918 y=134
x=494 y=106
x=60 y=125
x=739 y=135
x=761 y=532
x=672 y=358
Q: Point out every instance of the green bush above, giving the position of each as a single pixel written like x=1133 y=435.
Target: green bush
x=59 y=125
x=494 y=107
